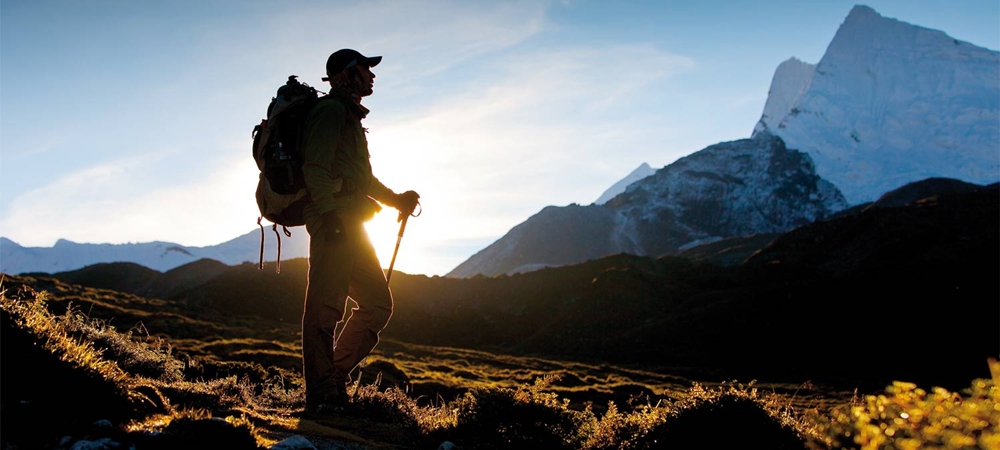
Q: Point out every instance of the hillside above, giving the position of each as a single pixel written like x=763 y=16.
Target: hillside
x=119 y=390
x=139 y=280
x=889 y=267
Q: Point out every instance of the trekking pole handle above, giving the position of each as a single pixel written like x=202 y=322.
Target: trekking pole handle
x=403 y=215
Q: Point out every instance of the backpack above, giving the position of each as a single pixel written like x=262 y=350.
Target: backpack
x=281 y=189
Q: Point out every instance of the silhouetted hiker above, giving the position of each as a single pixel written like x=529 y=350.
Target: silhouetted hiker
x=342 y=261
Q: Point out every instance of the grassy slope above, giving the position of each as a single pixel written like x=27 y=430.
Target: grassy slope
x=139 y=387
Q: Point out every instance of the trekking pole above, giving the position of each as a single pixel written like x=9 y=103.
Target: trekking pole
x=403 y=216
x=399 y=238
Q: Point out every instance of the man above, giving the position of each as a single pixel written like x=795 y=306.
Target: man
x=342 y=260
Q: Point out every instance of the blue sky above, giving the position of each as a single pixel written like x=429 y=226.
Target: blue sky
x=129 y=121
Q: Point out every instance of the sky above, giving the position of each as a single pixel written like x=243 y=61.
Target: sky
x=130 y=121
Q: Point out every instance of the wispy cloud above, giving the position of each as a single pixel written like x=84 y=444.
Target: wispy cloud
x=537 y=130
x=114 y=202
x=421 y=38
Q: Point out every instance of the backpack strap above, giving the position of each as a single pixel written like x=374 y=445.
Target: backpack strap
x=261 y=264
x=274 y=228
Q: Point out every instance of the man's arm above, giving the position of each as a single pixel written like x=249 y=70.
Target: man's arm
x=405 y=202
x=324 y=125
x=381 y=193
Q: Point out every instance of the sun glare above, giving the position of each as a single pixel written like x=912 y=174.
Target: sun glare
x=408 y=158
x=422 y=235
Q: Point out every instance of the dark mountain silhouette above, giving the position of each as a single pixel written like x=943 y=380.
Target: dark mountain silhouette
x=953 y=224
x=135 y=279
x=730 y=251
x=182 y=278
x=919 y=190
x=818 y=303
x=735 y=250
x=246 y=289
x=122 y=276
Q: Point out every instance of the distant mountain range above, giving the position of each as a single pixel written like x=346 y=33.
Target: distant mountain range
x=162 y=256
x=888 y=104
x=871 y=294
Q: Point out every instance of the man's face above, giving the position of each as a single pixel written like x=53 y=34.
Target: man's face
x=366 y=82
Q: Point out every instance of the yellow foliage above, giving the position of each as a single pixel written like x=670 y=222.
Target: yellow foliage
x=907 y=417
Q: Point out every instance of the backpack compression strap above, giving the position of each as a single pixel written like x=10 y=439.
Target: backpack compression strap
x=287 y=233
x=261 y=264
x=274 y=228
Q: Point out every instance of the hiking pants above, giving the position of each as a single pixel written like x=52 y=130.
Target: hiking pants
x=336 y=271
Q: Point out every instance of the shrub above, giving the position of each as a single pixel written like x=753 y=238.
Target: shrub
x=197 y=429
x=731 y=416
x=907 y=417
x=525 y=417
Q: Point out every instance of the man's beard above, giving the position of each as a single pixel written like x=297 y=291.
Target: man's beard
x=353 y=84
x=361 y=87
x=365 y=89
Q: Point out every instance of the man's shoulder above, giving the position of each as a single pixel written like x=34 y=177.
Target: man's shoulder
x=331 y=102
x=328 y=107
x=336 y=103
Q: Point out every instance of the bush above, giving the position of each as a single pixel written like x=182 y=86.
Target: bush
x=907 y=417
x=731 y=416
x=526 y=417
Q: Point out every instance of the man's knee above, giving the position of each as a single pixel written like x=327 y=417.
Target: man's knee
x=372 y=317
x=321 y=315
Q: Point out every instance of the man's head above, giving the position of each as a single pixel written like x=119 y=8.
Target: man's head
x=349 y=70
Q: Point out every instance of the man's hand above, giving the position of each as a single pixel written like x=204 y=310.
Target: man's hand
x=333 y=228
x=406 y=202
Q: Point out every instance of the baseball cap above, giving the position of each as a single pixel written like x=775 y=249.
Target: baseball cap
x=346 y=58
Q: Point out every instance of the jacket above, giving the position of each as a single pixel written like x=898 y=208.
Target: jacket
x=336 y=165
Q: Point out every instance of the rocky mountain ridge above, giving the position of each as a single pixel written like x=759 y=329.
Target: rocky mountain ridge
x=729 y=189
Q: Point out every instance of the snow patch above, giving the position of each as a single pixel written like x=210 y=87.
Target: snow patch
x=639 y=173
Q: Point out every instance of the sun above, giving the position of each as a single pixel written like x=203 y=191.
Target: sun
x=383 y=230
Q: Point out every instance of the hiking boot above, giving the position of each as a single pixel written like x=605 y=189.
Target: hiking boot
x=332 y=399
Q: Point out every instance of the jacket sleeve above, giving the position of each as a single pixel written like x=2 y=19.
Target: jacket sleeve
x=379 y=192
x=324 y=126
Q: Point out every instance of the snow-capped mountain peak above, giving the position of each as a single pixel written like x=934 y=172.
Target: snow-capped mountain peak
x=790 y=80
x=888 y=104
